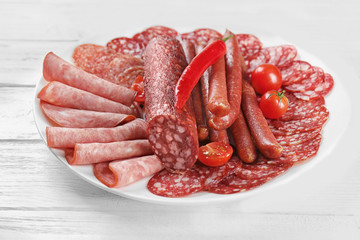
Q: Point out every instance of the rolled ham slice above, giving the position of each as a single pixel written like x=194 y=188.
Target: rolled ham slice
x=63 y=95
x=120 y=173
x=57 y=69
x=59 y=137
x=76 y=118
x=87 y=153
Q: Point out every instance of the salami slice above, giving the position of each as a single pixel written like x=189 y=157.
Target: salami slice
x=295 y=72
x=321 y=90
x=301 y=125
x=145 y=36
x=249 y=45
x=86 y=55
x=172 y=132
x=169 y=184
x=121 y=173
x=59 y=137
x=75 y=118
x=57 y=69
x=280 y=56
x=297 y=138
x=87 y=153
x=299 y=108
x=201 y=36
x=127 y=46
x=261 y=170
x=63 y=95
x=307 y=84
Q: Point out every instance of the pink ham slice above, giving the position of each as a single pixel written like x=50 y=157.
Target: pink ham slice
x=121 y=173
x=76 y=118
x=57 y=69
x=87 y=153
x=59 y=137
x=63 y=95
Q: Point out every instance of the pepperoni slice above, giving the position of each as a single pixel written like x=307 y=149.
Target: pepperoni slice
x=201 y=36
x=127 y=46
x=145 y=36
x=249 y=45
x=295 y=72
x=168 y=184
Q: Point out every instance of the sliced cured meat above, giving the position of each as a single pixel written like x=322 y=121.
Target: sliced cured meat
x=295 y=72
x=234 y=184
x=152 y=32
x=87 y=153
x=63 y=95
x=261 y=170
x=59 y=137
x=86 y=55
x=75 y=118
x=299 y=108
x=57 y=69
x=249 y=45
x=280 y=56
x=297 y=126
x=298 y=153
x=169 y=184
x=69 y=154
x=297 y=138
x=307 y=84
x=121 y=173
x=127 y=46
x=201 y=36
x=172 y=132
x=128 y=77
x=326 y=87
x=213 y=175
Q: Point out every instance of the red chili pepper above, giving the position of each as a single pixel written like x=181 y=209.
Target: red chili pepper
x=198 y=65
x=138 y=86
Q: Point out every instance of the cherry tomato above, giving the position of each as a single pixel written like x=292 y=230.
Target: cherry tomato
x=266 y=77
x=138 y=86
x=215 y=154
x=274 y=104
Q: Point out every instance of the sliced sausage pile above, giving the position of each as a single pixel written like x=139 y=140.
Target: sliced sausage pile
x=99 y=120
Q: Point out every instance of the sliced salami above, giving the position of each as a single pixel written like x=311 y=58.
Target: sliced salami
x=295 y=72
x=174 y=185
x=145 y=36
x=76 y=118
x=57 y=69
x=59 y=137
x=121 y=173
x=86 y=55
x=261 y=171
x=127 y=46
x=249 y=45
x=307 y=84
x=321 y=90
x=201 y=36
x=63 y=95
x=88 y=153
x=297 y=126
x=297 y=138
x=299 y=108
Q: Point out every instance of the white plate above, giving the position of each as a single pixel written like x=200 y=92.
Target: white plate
x=337 y=103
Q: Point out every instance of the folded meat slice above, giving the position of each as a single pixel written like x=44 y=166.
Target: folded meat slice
x=57 y=69
x=120 y=173
x=77 y=118
x=59 y=137
x=63 y=95
x=87 y=153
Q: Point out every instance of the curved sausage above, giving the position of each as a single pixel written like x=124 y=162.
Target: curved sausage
x=243 y=142
x=233 y=84
x=260 y=131
x=203 y=131
x=172 y=132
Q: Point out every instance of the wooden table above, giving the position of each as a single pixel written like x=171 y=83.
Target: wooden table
x=42 y=199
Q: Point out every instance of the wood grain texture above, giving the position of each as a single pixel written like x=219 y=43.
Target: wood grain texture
x=41 y=199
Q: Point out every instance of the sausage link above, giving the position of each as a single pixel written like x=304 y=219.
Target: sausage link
x=243 y=142
x=260 y=131
x=203 y=131
x=233 y=83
